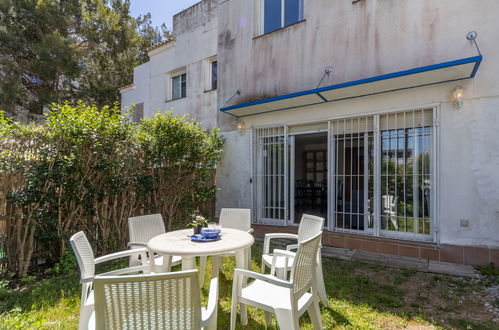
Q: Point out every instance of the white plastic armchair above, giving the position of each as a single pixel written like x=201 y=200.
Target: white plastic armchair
x=389 y=209
x=154 y=301
x=310 y=226
x=87 y=261
x=287 y=299
x=236 y=219
x=141 y=229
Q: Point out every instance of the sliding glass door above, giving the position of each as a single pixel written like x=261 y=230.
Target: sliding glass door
x=371 y=174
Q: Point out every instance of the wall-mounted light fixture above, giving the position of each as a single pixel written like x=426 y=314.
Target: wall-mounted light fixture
x=457 y=97
x=240 y=126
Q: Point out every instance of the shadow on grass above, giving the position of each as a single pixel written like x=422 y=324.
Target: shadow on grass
x=359 y=295
x=337 y=317
x=32 y=293
x=35 y=294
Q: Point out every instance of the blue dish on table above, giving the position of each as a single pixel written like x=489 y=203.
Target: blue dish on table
x=201 y=238
x=210 y=233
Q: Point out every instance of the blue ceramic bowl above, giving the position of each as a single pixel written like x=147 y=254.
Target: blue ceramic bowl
x=210 y=233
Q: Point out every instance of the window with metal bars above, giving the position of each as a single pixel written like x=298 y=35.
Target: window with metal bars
x=353 y=174
x=379 y=177
x=398 y=180
x=270 y=157
x=406 y=143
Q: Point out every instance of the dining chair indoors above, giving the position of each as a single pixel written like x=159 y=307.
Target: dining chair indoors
x=154 y=301
x=86 y=263
x=141 y=229
x=310 y=226
x=288 y=300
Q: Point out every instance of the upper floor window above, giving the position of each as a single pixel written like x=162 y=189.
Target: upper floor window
x=214 y=74
x=138 y=112
x=280 y=13
x=179 y=86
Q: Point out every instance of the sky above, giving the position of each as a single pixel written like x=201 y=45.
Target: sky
x=162 y=11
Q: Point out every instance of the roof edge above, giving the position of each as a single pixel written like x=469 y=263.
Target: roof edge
x=161 y=44
x=125 y=87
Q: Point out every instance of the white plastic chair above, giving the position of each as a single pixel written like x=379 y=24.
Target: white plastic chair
x=389 y=209
x=287 y=299
x=236 y=219
x=230 y=218
x=154 y=301
x=87 y=261
x=310 y=226
x=141 y=229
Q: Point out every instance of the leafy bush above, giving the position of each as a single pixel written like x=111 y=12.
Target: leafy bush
x=91 y=169
x=66 y=265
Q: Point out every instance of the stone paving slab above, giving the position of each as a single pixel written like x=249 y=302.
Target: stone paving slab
x=452 y=269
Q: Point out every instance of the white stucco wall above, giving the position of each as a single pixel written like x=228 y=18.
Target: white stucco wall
x=139 y=92
x=366 y=39
x=359 y=40
x=234 y=171
x=195 y=31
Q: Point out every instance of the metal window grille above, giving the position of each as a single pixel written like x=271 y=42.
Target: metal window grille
x=380 y=174
x=406 y=148
x=270 y=150
x=353 y=173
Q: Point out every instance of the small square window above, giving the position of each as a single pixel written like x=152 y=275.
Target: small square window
x=214 y=74
x=280 y=13
x=179 y=86
x=138 y=112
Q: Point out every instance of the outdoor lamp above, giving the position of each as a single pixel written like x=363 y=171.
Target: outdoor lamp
x=458 y=97
x=240 y=126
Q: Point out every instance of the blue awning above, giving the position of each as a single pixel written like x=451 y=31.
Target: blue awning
x=428 y=75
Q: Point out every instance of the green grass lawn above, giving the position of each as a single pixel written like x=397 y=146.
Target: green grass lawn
x=360 y=296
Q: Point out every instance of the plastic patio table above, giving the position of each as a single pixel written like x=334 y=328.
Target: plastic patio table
x=178 y=243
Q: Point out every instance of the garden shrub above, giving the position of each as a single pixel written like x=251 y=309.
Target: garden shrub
x=91 y=169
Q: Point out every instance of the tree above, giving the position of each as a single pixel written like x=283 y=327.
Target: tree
x=36 y=51
x=56 y=50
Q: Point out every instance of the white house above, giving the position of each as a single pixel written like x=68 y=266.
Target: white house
x=381 y=116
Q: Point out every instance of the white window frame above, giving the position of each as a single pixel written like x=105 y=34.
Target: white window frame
x=208 y=73
x=292 y=170
x=331 y=225
x=169 y=86
x=264 y=170
x=434 y=235
x=261 y=15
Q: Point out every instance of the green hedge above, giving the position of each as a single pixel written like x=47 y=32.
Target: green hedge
x=91 y=168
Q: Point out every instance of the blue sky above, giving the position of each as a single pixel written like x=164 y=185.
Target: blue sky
x=162 y=11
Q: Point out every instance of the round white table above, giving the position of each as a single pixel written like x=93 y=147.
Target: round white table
x=178 y=243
